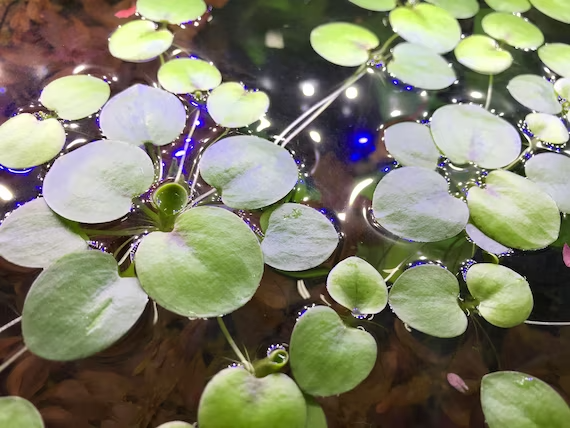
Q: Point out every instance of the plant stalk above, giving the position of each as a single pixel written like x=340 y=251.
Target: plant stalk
x=10 y=324
x=489 y=92
x=548 y=323
x=203 y=196
x=124 y=232
x=13 y=358
x=186 y=145
x=247 y=365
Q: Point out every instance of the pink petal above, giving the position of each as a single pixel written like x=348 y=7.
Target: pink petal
x=566 y=255
x=125 y=13
x=458 y=383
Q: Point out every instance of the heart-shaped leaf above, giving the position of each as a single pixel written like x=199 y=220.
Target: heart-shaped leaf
x=327 y=357
x=504 y=296
x=484 y=242
x=376 y=5
x=426 y=25
x=26 y=141
x=343 y=44
x=143 y=114
x=460 y=9
x=418 y=66
x=483 y=55
x=535 y=93
x=562 y=88
x=298 y=238
x=426 y=298
x=556 y=56
x=16 y=412
x=511 y=6
x=556 y=9
x=96 y=182
x=186 y=75
x=75 y=97
x=208 y=266
x=411 y=144
x=171 y=11
x=139 y=41
x=514 y=211
x=250 y=172
x=316 y=418
x=79 y=306
x=236 y=398
x=233 y=106
x=514 y=399
x=512 y=29
x=469 y=133
x=357 y=286
x=551 y=172
x=34 y=236
x=414 y=203
x=547 y=127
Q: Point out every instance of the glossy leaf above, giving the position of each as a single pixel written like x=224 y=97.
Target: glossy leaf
x=251 y=172
x=357 y=286
x=562 y=88
x=298 y=238
x=233 y=106
x=418 y=66
x=514 y=399
x=96 y=182
x=26 y=141
x=326 y=356
x=409 y=203
x=236 y=398
x=187 y=75
x=460 y=9
x=143 y=114
x=547 y=127
x=469 y=133
x=17 y=412
x=535 y=93
x=79 y=306
x=551 y=172
x=514 y=211
x=505 y=298
x=426 y=298
x=556 y=56
x=34 y=236
x=484 y=242
x=139 y=41
x=170 y=198
x=411 y=144
x=171 y=11
x=511 y=6
x=514 y=30
x=426 y=25
x=483 y=55
x=555 y=9
x=209 y=265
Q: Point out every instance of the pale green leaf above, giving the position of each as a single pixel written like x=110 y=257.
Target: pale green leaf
x=514 y=30
x=483 y=55
x=233 y=106
x=376 y=5
x=512 y=6
x=484 y=242
x=460 y=9
x=316 y=418
x=411 y=144
x=548 y=128
x=556 y=56
x=176 y=424
x=556 y=9
x=562 y=88
x=551 y=172
x=187 y=75
x=17 y=412
x=171 y=11
x=139 y=41
x=535 y=93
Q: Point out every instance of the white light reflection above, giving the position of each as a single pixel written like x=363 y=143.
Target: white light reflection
x=341 y=216
x=315 y=136
x=359 y=188
x=308 y=89
x=395 y=113
x=476 y=95
x=79 y=69
x=5 y=193
x=351 y=93
x=263 y=123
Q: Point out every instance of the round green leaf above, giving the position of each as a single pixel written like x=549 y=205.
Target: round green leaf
x=34 y=236
x=460 y=9
x=411 y=144
x=551 y=172
x=556 y=9
x=75 y=97
x=233 y=106
x=26 y=141
x=409 y=203
x=357 y=286
x=514 y=399
x=547 y=128
x=426 y=25
x=556 y=56
x=376 y=5
x=469 y=133
x=511 y=6
x=171 y=11
x=418 y=66
x=209 y=265
x=425 y=298
x=514 y=211
x=484 y=242
x=316 y=418
x=143 y=114
x=514 y=30
x=344 y=44
x=504 y=296
x=79 y=306
x=327 y=357
x=298 y=238
x=251 y=172
x=562 y=88
x=483 y=55
x=176 y=424
x=96 y=182
x=535 y=93
x=139 y=41
x=170 y=198
x=16 y=412
x=186 y=75
x=236 y=398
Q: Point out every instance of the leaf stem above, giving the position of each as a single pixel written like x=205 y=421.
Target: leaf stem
x=489 y=92
x=149 y=213
x=548 y=323
x=186 y=145
x=233 y=345
x=203 y=196
x=124 y=232
x=10 y=324
x=386 y=45
x=197 y=163
x=13 y=358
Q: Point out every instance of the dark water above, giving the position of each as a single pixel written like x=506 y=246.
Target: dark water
x=157 y=372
